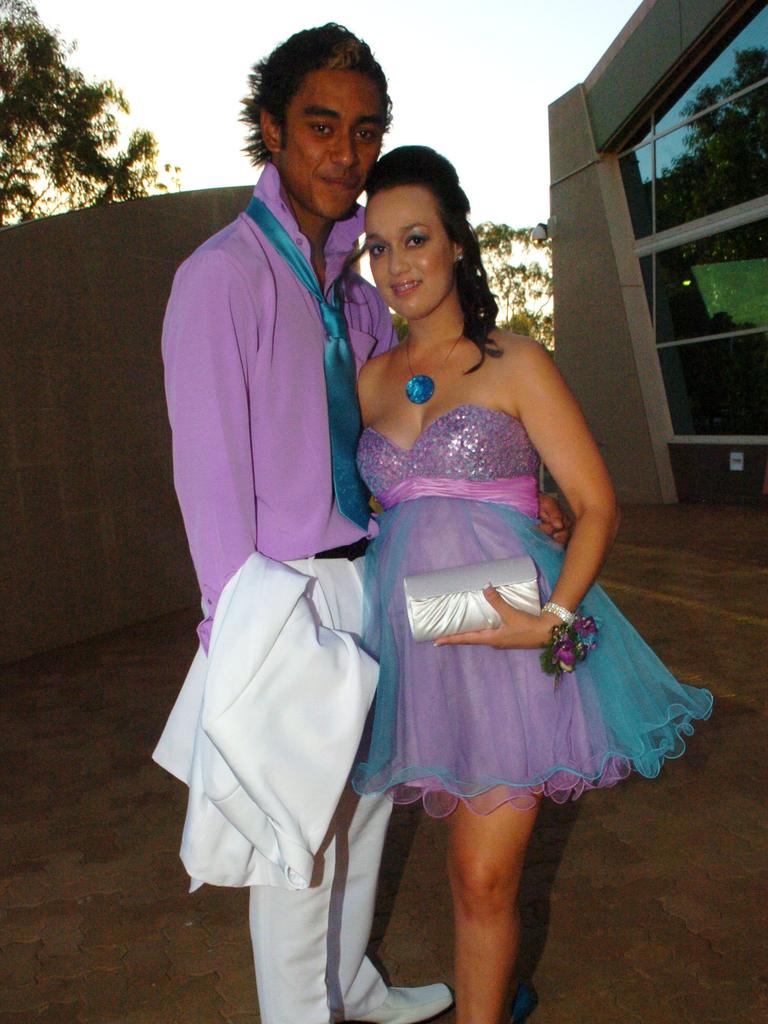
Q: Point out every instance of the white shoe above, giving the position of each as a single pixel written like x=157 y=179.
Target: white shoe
x=411 y=1005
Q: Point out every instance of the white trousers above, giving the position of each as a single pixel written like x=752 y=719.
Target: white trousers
x=309 y=945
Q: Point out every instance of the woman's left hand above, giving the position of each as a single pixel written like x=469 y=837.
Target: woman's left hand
x=517 y=630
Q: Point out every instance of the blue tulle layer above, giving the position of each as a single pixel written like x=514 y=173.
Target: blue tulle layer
x=488 y=726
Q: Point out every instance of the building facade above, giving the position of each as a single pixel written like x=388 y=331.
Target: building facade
x=659 y=222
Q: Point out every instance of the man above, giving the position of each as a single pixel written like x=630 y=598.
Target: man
x=245 y=345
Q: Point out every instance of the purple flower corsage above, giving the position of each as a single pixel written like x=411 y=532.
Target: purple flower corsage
x=568 y=645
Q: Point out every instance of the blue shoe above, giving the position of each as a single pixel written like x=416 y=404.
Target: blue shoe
x=525 y=1002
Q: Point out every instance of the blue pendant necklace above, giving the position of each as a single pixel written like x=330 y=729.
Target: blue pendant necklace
x=420 y=386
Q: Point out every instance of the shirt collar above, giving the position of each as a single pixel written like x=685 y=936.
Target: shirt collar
x=344 y=233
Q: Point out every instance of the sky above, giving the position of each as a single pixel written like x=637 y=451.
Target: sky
x=472 y=79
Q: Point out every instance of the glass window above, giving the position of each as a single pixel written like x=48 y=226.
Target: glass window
x=718 y=386
x=708 y=153
x=741 y=64
x=716 y=285
x=646 y=269
x=637 y=173
x=718 y=160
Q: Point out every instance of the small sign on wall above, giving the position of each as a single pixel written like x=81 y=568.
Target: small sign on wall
x=737 y=462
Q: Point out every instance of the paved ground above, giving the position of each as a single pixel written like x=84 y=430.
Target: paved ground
x=645 y=904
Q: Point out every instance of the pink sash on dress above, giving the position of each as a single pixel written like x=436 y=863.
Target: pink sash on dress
x=520 y=492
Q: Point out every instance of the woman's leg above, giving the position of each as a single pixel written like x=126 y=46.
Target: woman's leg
x=485 y=862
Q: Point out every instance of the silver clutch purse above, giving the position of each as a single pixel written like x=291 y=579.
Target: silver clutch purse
x=450 y=601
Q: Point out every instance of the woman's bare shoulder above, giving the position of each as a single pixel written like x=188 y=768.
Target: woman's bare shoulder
x=509 y=341
x=374 y=370
x=378 y=365
x=520 y=351
x=371 y=383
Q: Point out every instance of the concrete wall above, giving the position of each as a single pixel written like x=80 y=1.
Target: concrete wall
x=92 y=538
x=703 y=473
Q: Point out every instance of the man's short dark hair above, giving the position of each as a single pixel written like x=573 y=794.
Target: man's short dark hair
x=276 y=79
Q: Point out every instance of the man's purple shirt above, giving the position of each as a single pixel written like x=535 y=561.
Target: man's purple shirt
x=243 y=350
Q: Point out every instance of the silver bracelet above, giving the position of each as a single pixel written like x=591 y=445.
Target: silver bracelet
x=558 y=610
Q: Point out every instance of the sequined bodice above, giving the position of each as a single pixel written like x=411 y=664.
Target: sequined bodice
x=469 y=442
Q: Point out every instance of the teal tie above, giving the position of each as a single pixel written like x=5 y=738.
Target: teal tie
x=340 y=377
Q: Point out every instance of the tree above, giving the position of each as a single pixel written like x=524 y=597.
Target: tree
x=521 y=283
x=59 y=133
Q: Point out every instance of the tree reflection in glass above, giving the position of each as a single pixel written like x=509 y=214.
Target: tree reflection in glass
x=752 y=36
x=715 y=285
x=721 y=158
x=709 y=297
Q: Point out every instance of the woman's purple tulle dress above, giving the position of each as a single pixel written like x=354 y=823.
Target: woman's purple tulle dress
x=471 y=722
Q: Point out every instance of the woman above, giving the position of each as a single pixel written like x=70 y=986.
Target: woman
x=455 y=421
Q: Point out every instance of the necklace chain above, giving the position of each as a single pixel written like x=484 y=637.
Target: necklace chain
x=441 y=365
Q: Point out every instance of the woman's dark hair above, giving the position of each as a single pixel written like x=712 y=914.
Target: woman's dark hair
x=420 y=165
x=276 y=79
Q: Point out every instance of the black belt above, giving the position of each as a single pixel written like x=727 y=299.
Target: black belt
x=350 y=551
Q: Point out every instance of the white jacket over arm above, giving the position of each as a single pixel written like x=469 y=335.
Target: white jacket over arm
x=265 y=731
